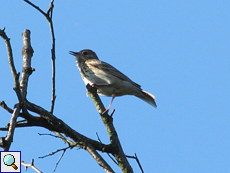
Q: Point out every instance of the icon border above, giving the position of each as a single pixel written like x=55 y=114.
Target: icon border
x=12 y=153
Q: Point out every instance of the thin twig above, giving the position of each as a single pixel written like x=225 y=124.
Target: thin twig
x=36 y=122
x=35 y=7
x=49 y=135
x=99 y=159
x=54 y=152
x=70 y=143
x=112 y=112
x=59 y=160
x=30 y=165
x=50 y=12
x=13 y=69
x=107 y=153
x=4 y=105
x=9 y=50
x=138 y=162
x=48 y=16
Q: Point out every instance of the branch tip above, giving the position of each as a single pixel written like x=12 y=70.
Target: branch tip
x=112 y=112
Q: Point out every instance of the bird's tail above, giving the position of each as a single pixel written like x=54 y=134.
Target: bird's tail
x=147 y=97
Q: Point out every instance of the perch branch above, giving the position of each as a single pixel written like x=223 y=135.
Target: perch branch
x=118 y=152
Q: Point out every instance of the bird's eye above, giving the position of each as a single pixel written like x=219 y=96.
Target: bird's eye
x=84 y=53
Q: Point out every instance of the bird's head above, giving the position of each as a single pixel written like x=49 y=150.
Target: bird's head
x=84 y=55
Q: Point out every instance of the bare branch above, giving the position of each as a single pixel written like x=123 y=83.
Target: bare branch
x=50 y=11
x=49 y=135
x=21 y=91
x=59 y=160
x=36 y=7
x=30 y=165
x=13 y=69
x=59 y=135
x=9 y=138
x=9 y=50
x=47 y=119
x=108 y=121
x=50 y=154
x=3 y=104
x=18 y=124
x=18 y=91
x=57 y=125
x=107 y=153
x=27 y=53
x=112 y=112
x=70 y=143
x=138 y=162
x=99 y=159
x=48 y=16
x=81 y=141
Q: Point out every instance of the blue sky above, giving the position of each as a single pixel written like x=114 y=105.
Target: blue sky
x=176 y=50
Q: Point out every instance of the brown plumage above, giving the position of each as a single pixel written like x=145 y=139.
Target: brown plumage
x=108 y=80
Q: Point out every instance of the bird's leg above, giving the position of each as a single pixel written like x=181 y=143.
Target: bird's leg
x=107 y=110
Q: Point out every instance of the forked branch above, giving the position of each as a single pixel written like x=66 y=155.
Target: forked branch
x=48 y=16
x=30 y=165
x=19 y=87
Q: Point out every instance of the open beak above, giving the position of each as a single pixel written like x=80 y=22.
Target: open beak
x=74 y=53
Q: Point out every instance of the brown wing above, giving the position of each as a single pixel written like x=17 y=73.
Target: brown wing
x=109 y=69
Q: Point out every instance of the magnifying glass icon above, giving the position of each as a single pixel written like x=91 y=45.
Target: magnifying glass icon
x=9 y=160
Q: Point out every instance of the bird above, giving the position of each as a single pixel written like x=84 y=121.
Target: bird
x=107 y=79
